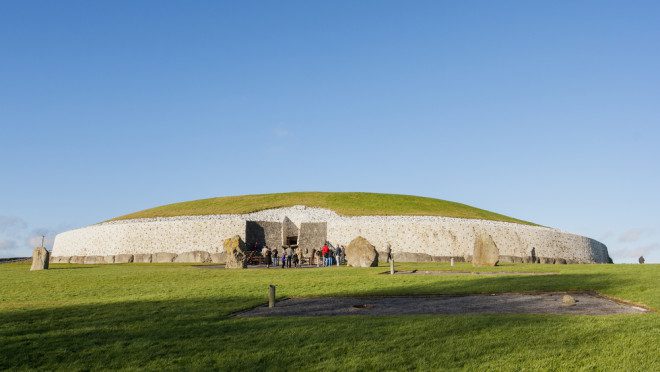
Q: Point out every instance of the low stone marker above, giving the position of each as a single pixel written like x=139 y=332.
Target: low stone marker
x=361 y=253
x=40 y=259
x=451 y=261
x=485 y=251
x=392 y=266
x=271 y=296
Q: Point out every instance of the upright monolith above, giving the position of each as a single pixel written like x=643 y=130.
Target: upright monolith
x=485 y=251
x=235 y=257
x=40 y=258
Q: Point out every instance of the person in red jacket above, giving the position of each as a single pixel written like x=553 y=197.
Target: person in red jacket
x=325 y=252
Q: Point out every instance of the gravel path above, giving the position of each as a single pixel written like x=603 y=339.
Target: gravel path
x=509 y=303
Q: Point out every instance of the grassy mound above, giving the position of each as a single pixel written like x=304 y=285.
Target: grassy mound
x=344 y=203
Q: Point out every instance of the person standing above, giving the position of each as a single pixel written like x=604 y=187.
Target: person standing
x=325 y=252
x=312 y=257
x=318 y=258
x=388 y=251
x=275 y=258
x=268 y=256
x=338 y=253
x=289 y=256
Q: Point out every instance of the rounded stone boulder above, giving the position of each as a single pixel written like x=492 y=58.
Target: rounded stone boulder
x=361 y=253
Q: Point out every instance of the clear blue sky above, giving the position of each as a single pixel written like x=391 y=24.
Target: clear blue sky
x=546 y=111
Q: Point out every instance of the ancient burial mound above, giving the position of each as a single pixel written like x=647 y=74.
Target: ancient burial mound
x=417 y=228
x=547 y=303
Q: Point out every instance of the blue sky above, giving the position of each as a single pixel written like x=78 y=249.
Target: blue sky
x=546 y=111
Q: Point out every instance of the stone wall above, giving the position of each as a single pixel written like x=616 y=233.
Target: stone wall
x=413 y=237
x=312 y=235
x=289 y=229
x=263 y=232
x=149 y=236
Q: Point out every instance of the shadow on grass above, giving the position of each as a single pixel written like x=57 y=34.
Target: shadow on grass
x=197 y=333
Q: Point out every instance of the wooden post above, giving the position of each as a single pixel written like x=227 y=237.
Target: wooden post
x=271 y=296
x=391 y=266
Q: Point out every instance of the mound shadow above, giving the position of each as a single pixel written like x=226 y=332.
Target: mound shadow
x=199 y=333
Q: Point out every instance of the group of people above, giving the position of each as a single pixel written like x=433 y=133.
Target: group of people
x=288 y=256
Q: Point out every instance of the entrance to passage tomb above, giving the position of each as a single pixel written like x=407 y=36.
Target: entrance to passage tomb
x=291 y=240
x=307 y=235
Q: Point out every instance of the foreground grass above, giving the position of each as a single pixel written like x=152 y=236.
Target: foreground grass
x=344 y=203
x=178 y=317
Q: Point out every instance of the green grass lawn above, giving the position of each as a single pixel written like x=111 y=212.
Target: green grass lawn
x=344 y=203
x=174 y=316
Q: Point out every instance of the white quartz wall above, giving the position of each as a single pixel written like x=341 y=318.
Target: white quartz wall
x=436 y=236
x=148 y=236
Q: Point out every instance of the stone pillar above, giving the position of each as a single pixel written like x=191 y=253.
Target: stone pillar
x=40 y=258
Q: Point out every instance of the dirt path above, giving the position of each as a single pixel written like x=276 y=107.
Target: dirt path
x=509 y=303
x=454 y=272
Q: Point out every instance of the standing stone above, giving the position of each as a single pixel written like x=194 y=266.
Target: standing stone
x=361 y=253
x=485 y=251
x=641 y=259
x=235 y=257
x=40 y=259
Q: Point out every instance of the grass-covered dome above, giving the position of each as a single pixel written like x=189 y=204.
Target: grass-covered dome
x=343 y=203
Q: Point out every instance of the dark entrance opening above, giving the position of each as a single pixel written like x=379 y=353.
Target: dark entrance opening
x=291 y=240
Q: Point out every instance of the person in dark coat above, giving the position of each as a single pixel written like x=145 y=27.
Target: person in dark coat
x=275 y=254
x=268 y=256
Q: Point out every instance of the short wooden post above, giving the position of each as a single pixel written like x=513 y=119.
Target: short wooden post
x=271 y=296
x=391 y=266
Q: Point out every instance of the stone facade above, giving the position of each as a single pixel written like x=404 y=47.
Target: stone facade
x=416 y=237
x=263 y=232
x=312 y=235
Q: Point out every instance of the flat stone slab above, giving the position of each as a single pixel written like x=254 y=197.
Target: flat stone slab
x=508 y=303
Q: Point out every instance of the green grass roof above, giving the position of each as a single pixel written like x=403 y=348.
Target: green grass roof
x=343 y=203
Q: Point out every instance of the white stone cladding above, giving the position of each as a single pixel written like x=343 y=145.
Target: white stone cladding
x=435 y=236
